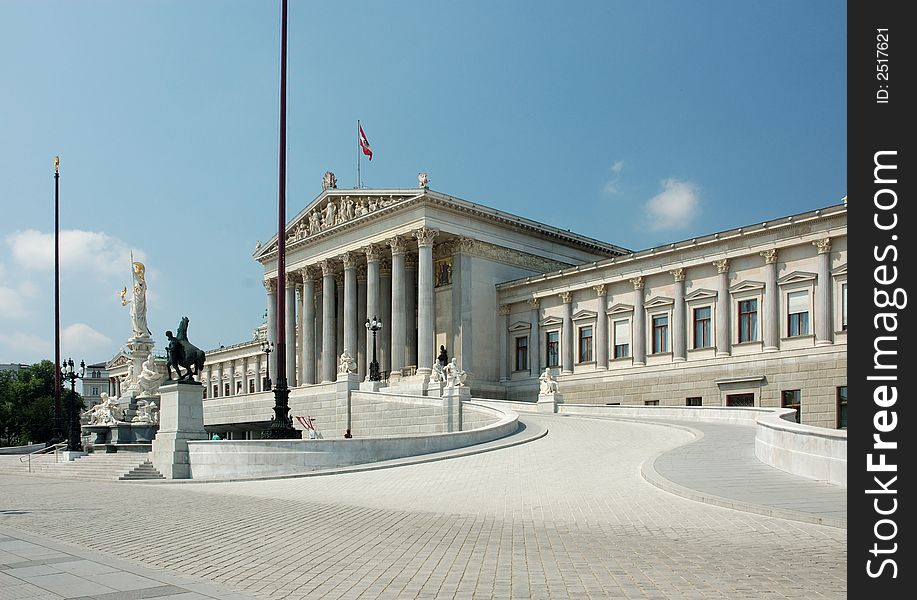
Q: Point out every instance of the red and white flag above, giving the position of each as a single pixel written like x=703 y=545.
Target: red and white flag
x=364 y=144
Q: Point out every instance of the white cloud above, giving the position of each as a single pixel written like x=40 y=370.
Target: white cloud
x=17 y=302
x=24 y=348
x=90 y=251
x=611 y=186
x=81 y=340
x=673 y=208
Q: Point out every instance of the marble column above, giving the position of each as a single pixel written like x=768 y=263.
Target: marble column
x=271 y=286
x=350 y=303
x=290 y=333
x=329 y=326
x=723 y=347
x=601 y=329
x=221 y=391
x=567 y=336
x=770 y=322
x=319 y=333
x=384 y=336
x=399 y=247
x=679 y=316
x=339 y=315
x=823 y=320
x=360 y=354
x=502 y=342
x=373 y=308
x=410 y=309
x=535 y=338
x=462 y=303
x=308 y=326
x=639 y=333
x=232 y=378
x=259 y=381
x=425 y=345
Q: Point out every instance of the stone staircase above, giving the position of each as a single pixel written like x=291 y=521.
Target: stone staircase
x=103 y=466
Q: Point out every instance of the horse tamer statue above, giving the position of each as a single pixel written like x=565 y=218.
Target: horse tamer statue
x=182 y=353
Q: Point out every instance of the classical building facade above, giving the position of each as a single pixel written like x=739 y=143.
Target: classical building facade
x=751 y=316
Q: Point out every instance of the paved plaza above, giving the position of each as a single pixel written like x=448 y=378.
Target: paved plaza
x=566 y=515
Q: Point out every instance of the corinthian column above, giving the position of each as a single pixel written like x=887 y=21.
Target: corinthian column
x=771 y=321
x=385 y=309
x=270 y=286
x=308 y=326
x=360 y=354
x=425 y=344
x=372 y=296
x=639 y=322
x=823 y=294
x=290 y=324
x=678 y=317
x=350 y=302
x=535 y=337
x=410 y=309
x=567 y=339
x=503 y=350
x=399 y=247
x=723 y=347
x=601 y=329
x=329 y=326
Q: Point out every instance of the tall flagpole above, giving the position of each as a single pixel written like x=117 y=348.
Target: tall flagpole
x=359 y=148
x=281 y=426
x=57 y=433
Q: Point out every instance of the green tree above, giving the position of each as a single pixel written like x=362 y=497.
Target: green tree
x=27 y=404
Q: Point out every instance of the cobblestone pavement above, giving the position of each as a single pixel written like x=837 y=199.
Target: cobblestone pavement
x=566 y=516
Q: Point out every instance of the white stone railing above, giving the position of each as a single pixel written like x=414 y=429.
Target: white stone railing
x=813 y=452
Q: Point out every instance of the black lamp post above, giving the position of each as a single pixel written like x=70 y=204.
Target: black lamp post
x=374 y=325
x=267 y=347
x=73 y=418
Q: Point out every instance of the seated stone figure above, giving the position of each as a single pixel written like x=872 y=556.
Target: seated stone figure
x=347 y=363
x=438 y=375
x=454 y=376
x=548 y=383
x=150 y=378
x=106 y=412
x=147 y=413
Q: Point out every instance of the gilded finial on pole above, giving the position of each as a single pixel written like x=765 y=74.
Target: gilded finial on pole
x=57 y=164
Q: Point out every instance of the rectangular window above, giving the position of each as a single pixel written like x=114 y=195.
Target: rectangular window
x=651 y=403
x=791 y=399
x=226 y=390
x=205 y=392
x=585 y=344
x=216 y=391
x=740 y=400
x=522 y=353
x=622 y=339
x=251 y=386
x=238 y=388
x=95 y=391
x=748 y=321
x=842 y=407
x=702 y=327
x=693 y=402
x=797 y=313
x=552 y=349
x=844 y=308
x=660 y=334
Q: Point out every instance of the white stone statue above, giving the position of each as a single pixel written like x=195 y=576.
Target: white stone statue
x=548 y=383
x=315 y=222
x=454 y=376
x=150 y=378
x=330 y=219
x=347 y=364
x=147 y=413
x=107 y=412
x=329 y=181
x=438 y=375
x=129 y=379
x=137 y=302
x=423 y=180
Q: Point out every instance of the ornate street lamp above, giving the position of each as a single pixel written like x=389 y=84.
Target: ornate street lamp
x=73 y=418
x=267 y=347
x=374 y=326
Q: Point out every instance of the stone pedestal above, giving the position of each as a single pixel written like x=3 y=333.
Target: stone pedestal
x=69 y=455
x=547 y=403
x=181 y=418
x=371 y=386
x=453 y=397
x=138 y=348
x=416 y=385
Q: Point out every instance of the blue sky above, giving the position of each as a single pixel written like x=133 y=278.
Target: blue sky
x=637 y=123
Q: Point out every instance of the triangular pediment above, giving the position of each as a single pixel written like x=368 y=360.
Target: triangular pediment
x=746 y=286
x=797 y=277
x=840 y=271
x=659 y=302
x=551 y=322
x=119 y=360
x=701 y=294
x=620 y=307
x=520 y=326
x=585 y=314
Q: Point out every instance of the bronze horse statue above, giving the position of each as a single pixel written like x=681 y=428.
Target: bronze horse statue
x=182 y=353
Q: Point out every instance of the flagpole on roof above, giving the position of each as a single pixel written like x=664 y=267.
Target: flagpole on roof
x=359 y=180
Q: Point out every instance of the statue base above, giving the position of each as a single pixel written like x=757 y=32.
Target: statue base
x=547 y=403
x=181 y=419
